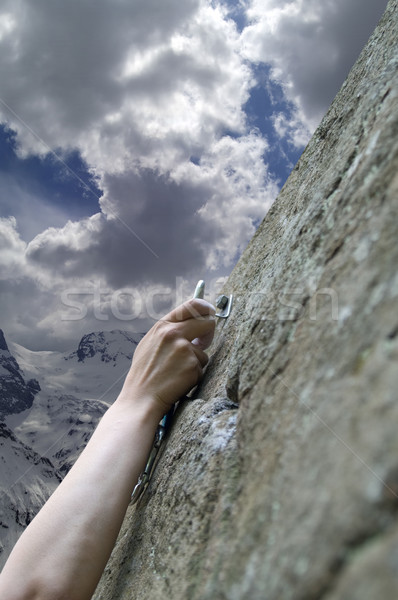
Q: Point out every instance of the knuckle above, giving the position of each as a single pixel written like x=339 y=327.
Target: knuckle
x=197 y=310
x=185 y=353
x=170 y=334
x=192 y=361
x=192 y=308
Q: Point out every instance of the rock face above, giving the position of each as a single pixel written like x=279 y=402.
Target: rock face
x=280 y=481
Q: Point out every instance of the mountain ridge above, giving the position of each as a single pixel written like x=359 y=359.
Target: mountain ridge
x=17 y=393
x=50 y=404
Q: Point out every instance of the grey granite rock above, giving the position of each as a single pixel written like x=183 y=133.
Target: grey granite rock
x=281 y=480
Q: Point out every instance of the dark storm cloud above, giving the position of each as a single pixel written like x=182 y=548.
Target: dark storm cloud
x=161 y=212
x=63 y=59
x=144 y=91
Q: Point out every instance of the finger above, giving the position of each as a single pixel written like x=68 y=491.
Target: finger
x=204 y=341
x=201 y=356
x=196 y=308
x=198 y=328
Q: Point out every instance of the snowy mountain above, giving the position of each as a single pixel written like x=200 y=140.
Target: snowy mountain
x=16 y=394
x=50 y=403
x=110 y=346
x=27 y=480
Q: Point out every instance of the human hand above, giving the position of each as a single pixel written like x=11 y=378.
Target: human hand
x=169 y=360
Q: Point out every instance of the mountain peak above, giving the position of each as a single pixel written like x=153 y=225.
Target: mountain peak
x=108 y=345
x=3 y=343
x=16 y=394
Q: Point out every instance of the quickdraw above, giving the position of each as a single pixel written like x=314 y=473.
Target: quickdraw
x=224 y=303
x=145 y=476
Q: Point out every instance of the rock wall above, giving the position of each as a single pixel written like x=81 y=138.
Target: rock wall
x=280 y=481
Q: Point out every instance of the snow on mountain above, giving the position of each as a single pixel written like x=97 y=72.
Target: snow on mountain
x=43 y=433
x=27 y=480
x=110 y=346
x=16 y=394
x=95 y=371
x=76 y=389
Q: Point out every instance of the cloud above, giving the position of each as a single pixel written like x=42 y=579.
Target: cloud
x=139 y=91
x=164 y=213
x=151 y=95
x=12 y=249
x=24 y=299
x=292 y=127
x=126 y=82
x=30 y=210
x=193 y=222
x=311 y=45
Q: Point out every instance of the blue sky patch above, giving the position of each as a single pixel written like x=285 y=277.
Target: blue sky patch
x=266 y=100
x=71 y=190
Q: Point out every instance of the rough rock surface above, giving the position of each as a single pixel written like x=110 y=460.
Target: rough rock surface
x=281 y=480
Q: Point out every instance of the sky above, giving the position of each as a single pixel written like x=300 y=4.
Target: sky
x=143 y=141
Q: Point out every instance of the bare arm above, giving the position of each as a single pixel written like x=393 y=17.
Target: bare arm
x=62 y=554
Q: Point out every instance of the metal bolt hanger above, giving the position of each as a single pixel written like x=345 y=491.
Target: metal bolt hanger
x=224 y=303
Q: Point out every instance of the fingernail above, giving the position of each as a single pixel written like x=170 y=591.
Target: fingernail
x=204 y=341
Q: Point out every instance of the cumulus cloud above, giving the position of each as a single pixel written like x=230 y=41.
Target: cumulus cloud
x=192 y=222
x=151 y=95
x=31 y=211
x=24 y=299
x=311 y=46
x=12 y=249
x=139 y=89
x=131 y=82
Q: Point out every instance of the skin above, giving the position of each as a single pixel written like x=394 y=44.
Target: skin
x=63 y=552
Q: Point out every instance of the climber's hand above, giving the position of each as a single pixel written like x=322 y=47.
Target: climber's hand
x=169 y=360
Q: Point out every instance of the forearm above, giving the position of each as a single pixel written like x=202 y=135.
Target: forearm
x=64 y=550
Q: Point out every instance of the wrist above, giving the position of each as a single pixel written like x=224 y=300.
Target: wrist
x=143 y=408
